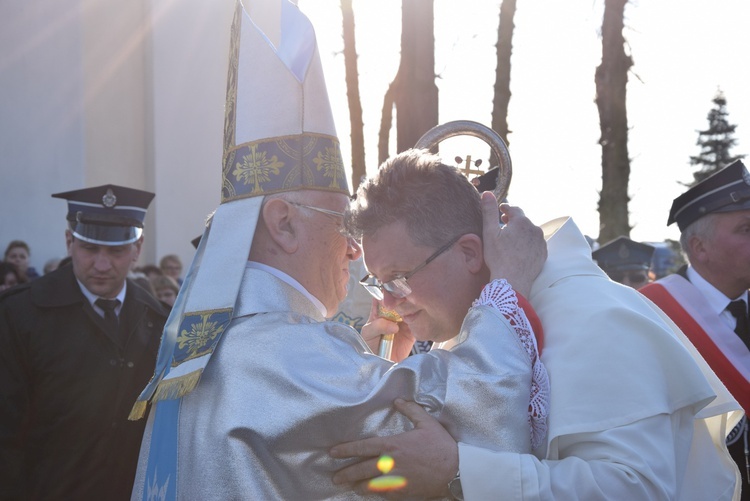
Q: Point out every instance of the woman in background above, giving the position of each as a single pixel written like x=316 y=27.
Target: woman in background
x=166 y=288
x=18 y=253
x=8 y=275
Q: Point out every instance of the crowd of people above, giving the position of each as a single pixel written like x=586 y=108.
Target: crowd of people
x=162 y=281
x=552 y=373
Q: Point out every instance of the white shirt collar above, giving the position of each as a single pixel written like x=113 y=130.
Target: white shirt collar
x=289 y=280
x=91 y=297
x=715 y=299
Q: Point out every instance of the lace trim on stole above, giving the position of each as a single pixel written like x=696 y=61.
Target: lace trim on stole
x=501 y=296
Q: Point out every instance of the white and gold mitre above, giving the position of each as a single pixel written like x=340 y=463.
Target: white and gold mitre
x=279 y=136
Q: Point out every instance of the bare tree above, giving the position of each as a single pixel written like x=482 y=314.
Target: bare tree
x=611 y=85
x=504 y=49
x=386 y=120
x=413 y=91
x=359 y=170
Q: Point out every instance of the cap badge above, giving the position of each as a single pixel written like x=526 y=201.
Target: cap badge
x=109 y=199
x=623 y=252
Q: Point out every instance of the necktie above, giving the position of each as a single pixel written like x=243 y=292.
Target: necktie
x=738 y=308
x=110 y=317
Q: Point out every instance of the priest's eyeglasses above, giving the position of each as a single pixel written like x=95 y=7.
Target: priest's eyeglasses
x=399 y=287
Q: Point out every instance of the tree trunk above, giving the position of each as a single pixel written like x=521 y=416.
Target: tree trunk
x=416 y=95
x=357 y=134
x=611 y=84
x=386 y=120
x=502 y=93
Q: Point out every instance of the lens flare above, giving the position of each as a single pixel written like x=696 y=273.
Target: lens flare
x=386 y=482
x=385 y=464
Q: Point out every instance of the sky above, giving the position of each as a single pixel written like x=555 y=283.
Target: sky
x=683 y=52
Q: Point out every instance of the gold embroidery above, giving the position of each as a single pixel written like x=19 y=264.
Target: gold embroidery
x=230 y=109
x=138 y=410
x=256 y=168
x=178 y=387
x=329 y=161
x=200 y=335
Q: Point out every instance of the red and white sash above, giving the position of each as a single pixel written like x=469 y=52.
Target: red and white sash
x=717 y=343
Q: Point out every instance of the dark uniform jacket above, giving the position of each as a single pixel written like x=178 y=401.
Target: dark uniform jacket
x=66 y=388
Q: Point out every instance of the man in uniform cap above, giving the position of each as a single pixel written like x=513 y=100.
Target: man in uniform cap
x=76 y=347
x=625 y=261
x=708 y=297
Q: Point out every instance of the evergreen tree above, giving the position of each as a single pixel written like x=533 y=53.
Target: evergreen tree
x=715 y=142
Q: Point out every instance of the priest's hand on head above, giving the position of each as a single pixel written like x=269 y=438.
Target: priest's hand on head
x=516 y=251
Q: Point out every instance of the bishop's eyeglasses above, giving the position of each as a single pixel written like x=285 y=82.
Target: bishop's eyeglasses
x=328 y=212
x=398 y=287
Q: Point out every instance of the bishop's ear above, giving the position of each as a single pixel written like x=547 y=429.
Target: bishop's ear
x=280 y=219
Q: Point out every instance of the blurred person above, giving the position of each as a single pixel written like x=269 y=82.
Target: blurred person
x=171 y=265
x=253 y=384
x=8 y=275
x=668 y=258
x=76 y=347
x=708 y=297
x=149 y=271
x=635 y=413
x=165 y=288
x=51 y=265
x=141 y=280
x=18 y=253
x=625 y=261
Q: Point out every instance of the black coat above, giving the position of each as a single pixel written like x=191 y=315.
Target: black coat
x=67 y=387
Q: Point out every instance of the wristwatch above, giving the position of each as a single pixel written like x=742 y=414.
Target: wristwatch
x=454 y=487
